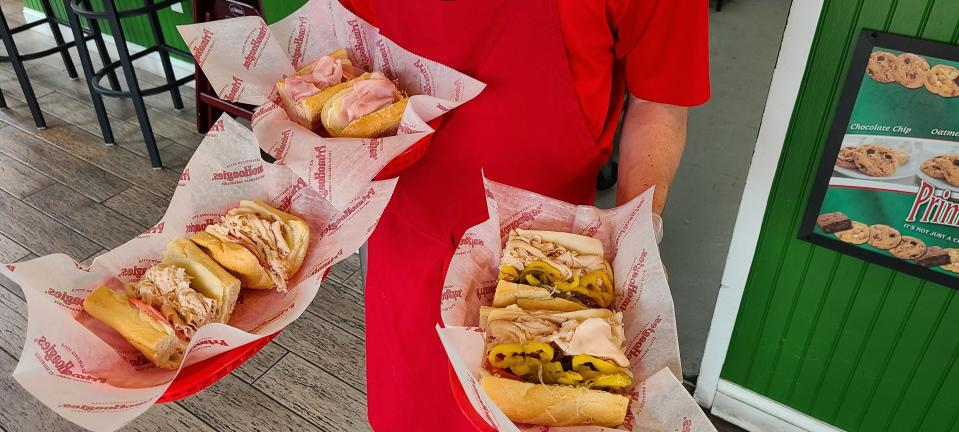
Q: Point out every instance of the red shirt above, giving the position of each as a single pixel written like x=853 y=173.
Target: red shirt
x=657 y=49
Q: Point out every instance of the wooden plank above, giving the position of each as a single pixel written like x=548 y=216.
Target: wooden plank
x=62 y=166
x=118 y=161
x=315 y=394
x=38 y=232
x=177 y=129
x=336 y=351
x=13 y=321
x=139 y=205
x=11 y=251
x=232 y=405
x=11 y=285
x=347 y=272
x=11 y=86
x=167 y=417
x=20 y=411
x=20 y=180
x=94 y=220
x=346 y=305
x=256 y=366
x=89 y=260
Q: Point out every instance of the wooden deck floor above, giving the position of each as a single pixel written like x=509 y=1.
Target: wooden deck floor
x=63 y=190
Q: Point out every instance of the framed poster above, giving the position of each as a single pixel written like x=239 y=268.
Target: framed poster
x=887 y=188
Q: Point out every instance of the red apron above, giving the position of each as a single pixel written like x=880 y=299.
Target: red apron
x=525 y=129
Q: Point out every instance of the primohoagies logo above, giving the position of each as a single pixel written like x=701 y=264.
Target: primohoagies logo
x=636 y=350
x=320 y=174
x=135 y=272
x=517 y=220
x=426 y=79
x=184 y=177
x=218 y=125
x=385 y=58
x=280 y=151
x=156 y=229
x=262 y=112
x=449 y=294
x=201 y=47
x=298 y=40
x=53 y=361
x=458 y=90
x=486 y=289
x=200 y=221
x=347 y=214
x=629 y=221
x=325 y=264
x=208 y=342
x=637 y=399
x=66 y=300
x=938 y=209
x=591 y=229
x=375 y=146
x=103 y=407
x=286 y=199
x=272 y=318
x=235 y=88
x=632 y=288
x=239 y=176
x=467 y=243
x=359 y=46
x=253 y=50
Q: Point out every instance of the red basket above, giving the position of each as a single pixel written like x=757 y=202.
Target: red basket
x=410 y=157
x=463 y=401
x=199 y=376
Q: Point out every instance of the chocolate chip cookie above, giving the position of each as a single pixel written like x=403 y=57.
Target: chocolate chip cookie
x=901 y=157
x=911 y=70
x=931 y=168
x=858 y=234
x=943 y=80
x=882 y=66
x=909 y=248
x=846 y=158
x=883 y=236
x=949 y=166
x=875 y=161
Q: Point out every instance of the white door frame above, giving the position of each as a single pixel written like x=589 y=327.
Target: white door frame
x=787 y=77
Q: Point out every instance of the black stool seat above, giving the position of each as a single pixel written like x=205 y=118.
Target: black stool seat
x=112 y=16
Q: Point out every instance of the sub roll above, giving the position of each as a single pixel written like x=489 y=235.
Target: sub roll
x=304 y=94
x=262 y=246
x=159 y=313
x=556 y=368
x=555 y=271
x=370 y=106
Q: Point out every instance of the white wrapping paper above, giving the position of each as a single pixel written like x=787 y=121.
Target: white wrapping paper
x=244 y=58
x=659 y=401
x=90 y=375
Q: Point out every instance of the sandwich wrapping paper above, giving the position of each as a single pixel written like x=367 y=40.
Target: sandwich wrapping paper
x=659 y=402
x=87 y=372
x=244 y=58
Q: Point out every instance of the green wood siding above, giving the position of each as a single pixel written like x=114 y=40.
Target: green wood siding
x=137 y=30
x=852 y=344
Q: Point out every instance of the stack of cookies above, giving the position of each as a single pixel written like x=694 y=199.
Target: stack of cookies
x=875 y=160
x=913 y=71
x=888 y=238
x=944 y=167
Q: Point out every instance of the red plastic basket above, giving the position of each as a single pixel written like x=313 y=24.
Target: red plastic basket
x=463 y=401
x=199 y=376
x=410 y=157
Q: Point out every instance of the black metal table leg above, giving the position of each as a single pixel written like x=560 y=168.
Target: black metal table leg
x=164 y=58
x=101 y=47
x=21 y=72
x=126 y=63
x=58 y=38
x=87 y=66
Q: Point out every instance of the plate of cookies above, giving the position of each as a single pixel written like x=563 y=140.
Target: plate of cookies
x=877 y=158
x=941 y=171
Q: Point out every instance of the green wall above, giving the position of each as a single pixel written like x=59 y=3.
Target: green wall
x=850 y=343
x=137 y=30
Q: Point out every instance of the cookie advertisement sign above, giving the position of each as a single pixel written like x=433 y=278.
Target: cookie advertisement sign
x=887 y=188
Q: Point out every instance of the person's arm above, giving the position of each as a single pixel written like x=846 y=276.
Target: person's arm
x=651 y=144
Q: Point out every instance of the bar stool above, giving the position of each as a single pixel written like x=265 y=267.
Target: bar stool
x=16 y=59
x=110 y=14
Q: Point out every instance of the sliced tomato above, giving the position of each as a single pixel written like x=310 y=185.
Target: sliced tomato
x=502 y=373
x=151 y=311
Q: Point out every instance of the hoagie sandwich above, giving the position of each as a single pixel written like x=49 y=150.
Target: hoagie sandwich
x=370 y=106
x=556 y=368
x=552 y=270
x=304 y=93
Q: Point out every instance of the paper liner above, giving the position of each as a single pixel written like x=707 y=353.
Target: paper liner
x=244 y=58
x=659 y=401
x=86 y=372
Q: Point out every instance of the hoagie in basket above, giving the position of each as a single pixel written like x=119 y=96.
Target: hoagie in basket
x=370 y=106
x=304 y=94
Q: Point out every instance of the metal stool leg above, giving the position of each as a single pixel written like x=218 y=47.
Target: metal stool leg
x=101 y=47
x=88 y=72
x=58 y=38
x=132 y=84
x=3 y=101
x=21 y=73
x=164 y=58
